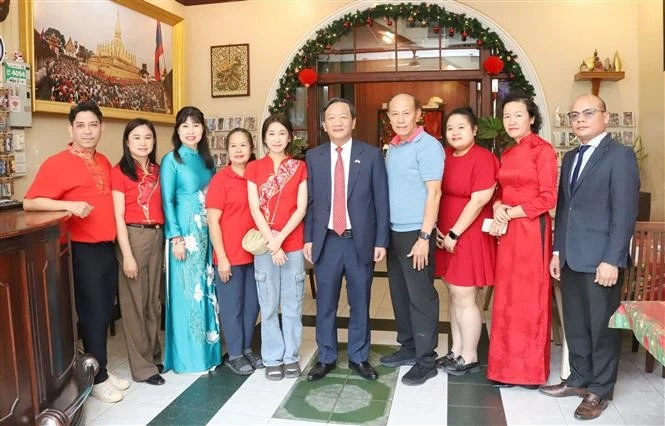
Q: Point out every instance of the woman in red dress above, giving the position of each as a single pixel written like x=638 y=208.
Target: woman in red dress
x=519 y=352
x=465 y=256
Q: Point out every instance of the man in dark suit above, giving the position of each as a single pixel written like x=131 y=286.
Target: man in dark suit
x=595 y=218
x=346 y=231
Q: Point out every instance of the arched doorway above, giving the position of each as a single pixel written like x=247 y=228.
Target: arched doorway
x=367 y=53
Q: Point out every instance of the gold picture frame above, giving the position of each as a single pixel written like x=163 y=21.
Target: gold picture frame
x=229 y=70
x=110 y=72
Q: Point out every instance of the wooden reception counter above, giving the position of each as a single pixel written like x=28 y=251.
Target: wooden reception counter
x=43 y=379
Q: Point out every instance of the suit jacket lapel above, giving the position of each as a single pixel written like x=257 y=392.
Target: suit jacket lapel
x=354 y=167
x=566 y=170
x=593 y=160
x=324 y=164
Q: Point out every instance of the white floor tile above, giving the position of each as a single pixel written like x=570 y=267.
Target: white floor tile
x=418 y=414
x=250 y=401
x=129 y=413
x=635 y=420
x=639 y=403
x=236 y=419
x=531 y=417
x=520 y=399
x=94 y=408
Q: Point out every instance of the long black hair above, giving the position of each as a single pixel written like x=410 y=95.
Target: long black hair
x=202 y=148
x=127 y=164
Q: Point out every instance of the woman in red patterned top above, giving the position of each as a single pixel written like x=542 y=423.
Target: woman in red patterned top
x=137 y=206
x=277 y=192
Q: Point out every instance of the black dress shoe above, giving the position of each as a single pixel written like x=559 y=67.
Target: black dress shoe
x=155 y=380
x=364 y=369
x=319 y=371
x=160 y=368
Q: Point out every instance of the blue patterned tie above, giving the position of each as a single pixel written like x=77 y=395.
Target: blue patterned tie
x=578 y=165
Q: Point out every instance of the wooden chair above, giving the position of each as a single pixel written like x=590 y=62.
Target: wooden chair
x=645 y=278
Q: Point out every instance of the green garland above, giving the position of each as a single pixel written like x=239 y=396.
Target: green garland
x=415 y=14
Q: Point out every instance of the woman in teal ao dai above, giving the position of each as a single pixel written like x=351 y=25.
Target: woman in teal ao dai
x=192 y=329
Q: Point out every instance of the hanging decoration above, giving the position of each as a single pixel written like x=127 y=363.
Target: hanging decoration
x=307 y=77
x=493 y=65
x=427 y=15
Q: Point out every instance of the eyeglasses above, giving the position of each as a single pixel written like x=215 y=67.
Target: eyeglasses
x=587 y=113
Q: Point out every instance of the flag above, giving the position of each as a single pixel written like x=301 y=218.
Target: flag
x=159 y=51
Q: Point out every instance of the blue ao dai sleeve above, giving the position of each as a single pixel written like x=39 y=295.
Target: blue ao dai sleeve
x=168 y=181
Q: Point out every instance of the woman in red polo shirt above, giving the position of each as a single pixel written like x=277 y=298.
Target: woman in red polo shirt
x=137 y=206
x=228 y=221
x=277 y=191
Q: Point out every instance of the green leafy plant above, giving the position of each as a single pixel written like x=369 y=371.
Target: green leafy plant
x=492 y=135
x=640 y=152
x=297 y=148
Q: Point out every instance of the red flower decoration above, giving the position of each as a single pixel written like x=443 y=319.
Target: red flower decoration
x=493 y=65
x=307 y=77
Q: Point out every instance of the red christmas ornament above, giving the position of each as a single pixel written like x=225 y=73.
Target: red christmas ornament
x=493 y=65
x=479 y=42
x=370 y=21
x=328 y=46
x=347 y=24
x=436 y=29
x=464 y=35
x=307 y=77
x=451 y=32
x=389 y=22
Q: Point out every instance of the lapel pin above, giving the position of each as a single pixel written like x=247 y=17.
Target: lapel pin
x=356 y=161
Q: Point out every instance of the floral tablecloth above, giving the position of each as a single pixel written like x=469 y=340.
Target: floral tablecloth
x=647 y=320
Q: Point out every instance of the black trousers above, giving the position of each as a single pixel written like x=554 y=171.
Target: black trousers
x=593 y=347
x=95 y=287
x=415 y=300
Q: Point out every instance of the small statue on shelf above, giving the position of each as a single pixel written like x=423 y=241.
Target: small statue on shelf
x=618 y=66
x=597 y=63
x=607 y=65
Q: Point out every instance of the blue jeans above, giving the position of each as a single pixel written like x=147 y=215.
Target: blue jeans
x=238 y=307
x=280 y=287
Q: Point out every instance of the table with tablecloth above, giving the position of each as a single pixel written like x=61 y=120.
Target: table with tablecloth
x=647 y=320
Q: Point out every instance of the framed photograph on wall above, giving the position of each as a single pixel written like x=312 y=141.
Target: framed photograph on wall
x=229 y=70
x=559 y=139
x=628 y=137
x=129 y=62
x=628 y=119
x=613 y=120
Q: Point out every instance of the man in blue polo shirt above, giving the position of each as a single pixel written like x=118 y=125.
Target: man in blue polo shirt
x=415 y=167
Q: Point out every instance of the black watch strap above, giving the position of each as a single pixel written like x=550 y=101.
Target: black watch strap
x=424 y=235
x=453 y=235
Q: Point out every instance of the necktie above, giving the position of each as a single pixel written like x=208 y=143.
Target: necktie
x=578 y=165
x=339 y=196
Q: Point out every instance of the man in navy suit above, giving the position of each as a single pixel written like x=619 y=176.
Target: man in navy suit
x=346 y=231
x=595 y=218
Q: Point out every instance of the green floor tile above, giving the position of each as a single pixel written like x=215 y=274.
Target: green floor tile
x=474 y=396
x=179 y=417
x=329 y=387
x=307 y=407
x=479 y=378
x=379 y=391
x=475 y=416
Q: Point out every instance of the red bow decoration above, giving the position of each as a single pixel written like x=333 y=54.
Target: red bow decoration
x=493 y=65
x=307 y=77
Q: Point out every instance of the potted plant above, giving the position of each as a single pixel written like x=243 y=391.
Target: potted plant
x=644 y=206
x=492 y=135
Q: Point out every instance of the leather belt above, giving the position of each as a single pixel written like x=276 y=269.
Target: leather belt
x=146 y=225
x=348 y=233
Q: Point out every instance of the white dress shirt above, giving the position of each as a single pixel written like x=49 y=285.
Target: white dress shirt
x=346 y=159
x=592 y=144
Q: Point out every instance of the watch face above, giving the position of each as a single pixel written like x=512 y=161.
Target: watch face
x=423 y=235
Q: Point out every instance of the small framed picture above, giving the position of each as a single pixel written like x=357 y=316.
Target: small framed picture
x=211 y=124
x=559 y=139
x=220 y=123
x=614 y=120
x=572 y=139
x=628 y=137
x=250 y=123
x=617 y=136
x=236 y=122
x=628 y=119
x=227 y=122
x=565 y=121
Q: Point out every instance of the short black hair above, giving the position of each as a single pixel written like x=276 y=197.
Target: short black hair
x=82 y=107
x=336 y=100
x=466 y=112
x=276 y=118
x=531 y=108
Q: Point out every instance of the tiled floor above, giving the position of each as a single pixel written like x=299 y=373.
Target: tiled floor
x=223 y=398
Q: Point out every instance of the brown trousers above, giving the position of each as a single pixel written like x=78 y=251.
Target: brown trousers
x=140 y=303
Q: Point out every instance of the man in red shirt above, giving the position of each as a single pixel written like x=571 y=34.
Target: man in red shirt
x=78 y=180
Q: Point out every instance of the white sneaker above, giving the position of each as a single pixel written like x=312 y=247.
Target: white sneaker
x=106 y=392
x=118 y=383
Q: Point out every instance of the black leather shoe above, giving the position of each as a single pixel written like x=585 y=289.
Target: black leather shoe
x=155 y=380
x=319 y=371
x=364 y=370
x=160 y=368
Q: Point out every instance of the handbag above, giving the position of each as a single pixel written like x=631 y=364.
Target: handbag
x=254 y=243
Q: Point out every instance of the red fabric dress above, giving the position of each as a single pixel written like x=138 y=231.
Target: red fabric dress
x=472 y=264
x=519 y=351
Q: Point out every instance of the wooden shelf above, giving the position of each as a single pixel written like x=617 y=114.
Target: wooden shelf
x=597 y=76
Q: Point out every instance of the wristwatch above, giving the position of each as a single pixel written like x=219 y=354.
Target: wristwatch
x=423 y=235
x=453 y=235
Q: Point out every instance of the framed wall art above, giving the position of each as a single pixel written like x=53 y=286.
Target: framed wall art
x=229 y=70
x=130 y=62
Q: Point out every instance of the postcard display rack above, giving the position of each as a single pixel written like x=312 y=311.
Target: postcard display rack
x=218 y=130
x=621 y=127
x=15 y=113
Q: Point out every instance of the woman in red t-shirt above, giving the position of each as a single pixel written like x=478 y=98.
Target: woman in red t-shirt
x=277 y=192
x=465 y=255
x=139 y=219
x=229 y=220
